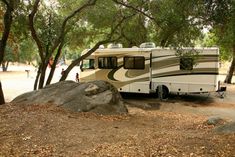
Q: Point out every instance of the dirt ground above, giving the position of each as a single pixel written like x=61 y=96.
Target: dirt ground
x=176 y=127
x=46 y=130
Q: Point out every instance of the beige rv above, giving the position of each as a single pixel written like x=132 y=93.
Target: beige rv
x=149 y=69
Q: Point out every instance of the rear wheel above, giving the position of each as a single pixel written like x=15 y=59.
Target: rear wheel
x=164 y=93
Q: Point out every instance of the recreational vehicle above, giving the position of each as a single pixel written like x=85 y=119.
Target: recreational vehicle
x=147 y=69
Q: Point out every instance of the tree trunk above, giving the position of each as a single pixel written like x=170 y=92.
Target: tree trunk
x=54 y=64
x=229 y=76
x=5 y=66
x=42 y=76
x=37 y=78
x=2 y=100
x=44 y=57
x=6 y=31
x=78 y=60
x=5 y=34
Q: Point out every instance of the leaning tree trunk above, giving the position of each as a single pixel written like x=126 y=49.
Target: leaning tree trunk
x=37 y=78
x=229 y=76
x=78 y=60
x=2 y=100
x=43 y=75
x=51 y=74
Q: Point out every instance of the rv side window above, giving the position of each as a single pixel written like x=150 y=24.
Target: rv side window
x=186 y=63
x=107 y=62
x=134 y=62
x=88 y=64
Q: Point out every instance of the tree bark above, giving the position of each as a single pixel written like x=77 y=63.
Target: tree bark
x=59 y=51
x=2 y=100
x=33 y=30
x=7 y=27
x=42 y=75
x=37 y=78
x=229 y=76
x=5 y=66
x=6 y=31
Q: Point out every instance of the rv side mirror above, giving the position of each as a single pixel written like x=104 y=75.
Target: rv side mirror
x=81 y=65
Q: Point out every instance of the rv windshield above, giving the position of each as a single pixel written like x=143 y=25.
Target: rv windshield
x=88 y=64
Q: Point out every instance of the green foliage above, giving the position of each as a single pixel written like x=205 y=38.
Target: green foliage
x=48 y=24
x=71 y=54
x=10 y=55
x=129 y=35
x=28 y=51
x=221 y=15
x=188 y=58
x=176 y=22
x=211 y=40
x=103 y=14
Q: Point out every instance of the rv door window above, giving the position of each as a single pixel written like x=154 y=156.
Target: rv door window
x=186 y=63
x=134 y=62
x=107 y=62
x=88 y=64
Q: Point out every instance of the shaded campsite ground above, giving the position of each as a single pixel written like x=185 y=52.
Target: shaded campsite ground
x=205 y=104
x=176 y=127
x=44 y=130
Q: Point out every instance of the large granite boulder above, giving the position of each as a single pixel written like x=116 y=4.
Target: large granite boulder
x=97 y=96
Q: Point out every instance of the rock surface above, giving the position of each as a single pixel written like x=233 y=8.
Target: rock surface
x=227 y=128
x=215 y=121
x=97 y=96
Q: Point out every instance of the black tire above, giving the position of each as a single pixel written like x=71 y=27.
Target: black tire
x=165 y=92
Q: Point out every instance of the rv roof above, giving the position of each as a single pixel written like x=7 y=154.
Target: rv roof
x=119 y=50
x=124 y=50
x=143 y=49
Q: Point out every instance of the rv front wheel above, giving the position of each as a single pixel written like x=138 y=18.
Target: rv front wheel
x=162 y=92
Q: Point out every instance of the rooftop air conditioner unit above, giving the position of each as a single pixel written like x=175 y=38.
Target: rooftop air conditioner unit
x=101 y=47
x=114 y=46
x=147 y=45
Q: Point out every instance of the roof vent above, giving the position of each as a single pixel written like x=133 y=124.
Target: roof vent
x=147 y=45
x=101 y=47
x=114 y=46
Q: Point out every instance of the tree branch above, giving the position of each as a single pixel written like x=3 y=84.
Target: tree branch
x=33 y=31
x=94 y=48
x=6 y=30
x=62 y=31
x=5 y=2
x=134 y=8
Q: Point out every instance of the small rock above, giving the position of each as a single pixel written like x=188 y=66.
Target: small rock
x=227 y=128
x=214 y=121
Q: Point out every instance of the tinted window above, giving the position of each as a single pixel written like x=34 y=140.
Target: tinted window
x=107 y=62
x=134 y=63
x=88 y=64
